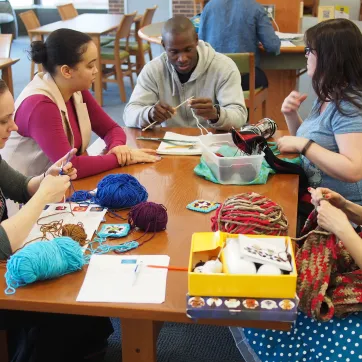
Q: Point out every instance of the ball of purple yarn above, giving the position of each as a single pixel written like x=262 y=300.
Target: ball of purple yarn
x=120 y=191
x=148 y=216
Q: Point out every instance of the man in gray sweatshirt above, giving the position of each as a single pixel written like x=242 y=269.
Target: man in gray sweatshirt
x=187 y=68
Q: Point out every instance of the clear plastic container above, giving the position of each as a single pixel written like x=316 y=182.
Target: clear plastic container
x=236 y=170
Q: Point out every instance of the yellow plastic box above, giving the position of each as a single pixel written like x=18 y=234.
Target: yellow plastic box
x=207 y=245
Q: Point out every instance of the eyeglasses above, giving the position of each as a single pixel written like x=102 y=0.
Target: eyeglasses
x=308 y=50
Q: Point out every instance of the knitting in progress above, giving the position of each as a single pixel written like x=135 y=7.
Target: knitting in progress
x=43 y=260
x=329 y=281
x=250 y=213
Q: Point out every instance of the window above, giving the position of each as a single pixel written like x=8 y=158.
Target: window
x=21 y=3
x=89 y=4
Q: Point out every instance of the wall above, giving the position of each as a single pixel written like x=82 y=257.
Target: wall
x=183 y=7
x=116 y=6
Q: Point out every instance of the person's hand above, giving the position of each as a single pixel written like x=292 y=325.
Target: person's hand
x=332 y=197
x=332 y=219
x=161 y=112
x=204 y=108
x=53 y=188
x=61 y=164
x=291 y=144
x=123 y=154
x=143 y=155
x=292 y=103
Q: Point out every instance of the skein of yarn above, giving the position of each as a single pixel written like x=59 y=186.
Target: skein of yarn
x=148 y=216
x=250 y=213
x=43 y=260
x=115 y=192
x=75 y=232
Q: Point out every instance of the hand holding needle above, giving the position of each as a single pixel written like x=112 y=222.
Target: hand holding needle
x=161 y=112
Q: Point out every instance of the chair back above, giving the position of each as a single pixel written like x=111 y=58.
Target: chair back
x=5 y=45
x=67 y=11
x=148 y=16
x=124 y=27
x=30 y=20
x=198 y=6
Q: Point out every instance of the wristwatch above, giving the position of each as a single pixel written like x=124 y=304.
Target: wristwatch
x=218 y=112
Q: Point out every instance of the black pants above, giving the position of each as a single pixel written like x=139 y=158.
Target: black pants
x=44 y=337
x=260 y=80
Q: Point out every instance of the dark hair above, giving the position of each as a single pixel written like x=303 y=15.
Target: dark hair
x=3 y=87
x=338 y=74
x=62 y=47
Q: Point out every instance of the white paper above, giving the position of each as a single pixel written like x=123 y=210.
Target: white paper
x=288 y=36
x=108 y=280
x=97 y=147
x=163 y=150
x=286 y=44
x=90 y=216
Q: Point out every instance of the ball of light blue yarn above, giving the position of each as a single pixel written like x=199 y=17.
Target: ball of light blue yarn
x=43 y=260
x=120 y=191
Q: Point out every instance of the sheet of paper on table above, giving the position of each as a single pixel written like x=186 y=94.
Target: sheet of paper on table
x=286 y=44
x=111 y=278
x=166 y=148
x=97 y=147
x=288 y=36
x=89 y=215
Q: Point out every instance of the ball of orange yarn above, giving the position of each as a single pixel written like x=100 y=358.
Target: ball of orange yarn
x=76 y=232
x=250 y=213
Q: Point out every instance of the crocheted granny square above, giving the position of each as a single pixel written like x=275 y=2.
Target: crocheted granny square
x=114 y=230
x=202 y=206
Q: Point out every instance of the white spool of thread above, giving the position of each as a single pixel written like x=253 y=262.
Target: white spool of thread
x=268 y=269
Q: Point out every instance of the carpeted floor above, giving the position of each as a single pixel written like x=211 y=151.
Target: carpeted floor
x=177 y=342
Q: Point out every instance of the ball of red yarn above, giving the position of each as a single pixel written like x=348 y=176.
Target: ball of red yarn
x=148 y=216
x=250 y=213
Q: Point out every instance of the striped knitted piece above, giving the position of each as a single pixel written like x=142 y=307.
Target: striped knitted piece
x=329 y=281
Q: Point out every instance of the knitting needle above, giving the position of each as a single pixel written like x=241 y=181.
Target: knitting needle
x=183 y=102
x=175 y=268
x=180 y=146
x=163 y=140
x=150 y=125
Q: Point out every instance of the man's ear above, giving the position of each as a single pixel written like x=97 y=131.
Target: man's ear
x=66 y=71
x=197 y=39
x=163 y=44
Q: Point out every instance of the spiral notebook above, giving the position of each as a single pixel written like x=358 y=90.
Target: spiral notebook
x=179 y=148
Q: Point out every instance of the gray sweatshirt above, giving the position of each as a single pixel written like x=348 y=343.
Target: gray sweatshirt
x=215 y=76
x=14 y=186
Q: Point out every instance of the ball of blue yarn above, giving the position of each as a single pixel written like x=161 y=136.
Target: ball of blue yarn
x=43 y=260
x=81 y=195
x=120 y=191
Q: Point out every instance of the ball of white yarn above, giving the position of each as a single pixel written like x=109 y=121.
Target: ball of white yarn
x=268 y=269
x=212 y=266
x=242 y=267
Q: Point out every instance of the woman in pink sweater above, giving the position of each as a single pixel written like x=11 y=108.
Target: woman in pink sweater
x=56 y=112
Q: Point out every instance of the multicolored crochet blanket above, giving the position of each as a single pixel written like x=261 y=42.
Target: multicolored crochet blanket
x=329 y=281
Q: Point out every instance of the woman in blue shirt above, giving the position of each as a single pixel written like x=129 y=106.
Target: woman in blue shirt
x=330 y=138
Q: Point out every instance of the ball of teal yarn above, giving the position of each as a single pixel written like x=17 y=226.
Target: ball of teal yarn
x=120 y=191
x=43 y=260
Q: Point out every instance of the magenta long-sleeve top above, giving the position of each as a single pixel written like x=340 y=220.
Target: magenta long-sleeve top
x=38 y=117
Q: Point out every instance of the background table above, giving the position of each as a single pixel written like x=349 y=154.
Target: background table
x=6 y=72
x=172 y=183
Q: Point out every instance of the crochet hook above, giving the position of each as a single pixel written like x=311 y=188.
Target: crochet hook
x=163 y=140
x=175 y=268
x=69 y=157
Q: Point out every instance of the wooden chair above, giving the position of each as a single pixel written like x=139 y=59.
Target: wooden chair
x=198 y=4
x=67 y=11
x=5 y=45
x=116 y=57
x=134 y=46
x=31 y=21
x=253 y=97
x=311 y=7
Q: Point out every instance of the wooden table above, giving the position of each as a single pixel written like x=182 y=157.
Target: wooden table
x=172 y=183
x=282 y=71
x=6 y=71
x=94 y=25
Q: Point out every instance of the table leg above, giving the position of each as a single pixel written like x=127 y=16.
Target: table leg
x=7 y=76
x=139 y=340
x=98 y=91
x=3 y=347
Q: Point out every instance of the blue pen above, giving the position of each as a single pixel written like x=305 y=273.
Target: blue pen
x=136 y=272
x=69 y=157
